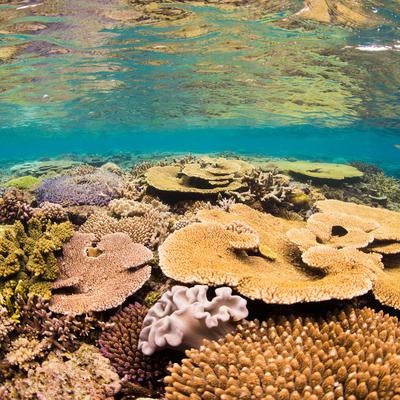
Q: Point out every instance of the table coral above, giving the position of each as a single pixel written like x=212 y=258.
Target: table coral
x=119 y=342
x=208 y=253
x=100 y=276
x=183 y=317
x=351 y=354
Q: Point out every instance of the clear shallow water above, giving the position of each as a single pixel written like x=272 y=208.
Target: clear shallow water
x=217 y=80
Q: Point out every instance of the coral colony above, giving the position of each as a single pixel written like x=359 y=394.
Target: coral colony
x=198 y=278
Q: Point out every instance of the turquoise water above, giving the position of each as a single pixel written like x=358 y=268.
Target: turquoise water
x=217 y=80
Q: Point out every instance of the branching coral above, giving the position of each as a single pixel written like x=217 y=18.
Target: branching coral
x=206 y=176
x=50 y=212
x=212 y=253
x=119 y=342
x=96 y=188
x=14 y=207
x=101 y=277
x=85 y=374
x=351 y=354
x=148 y=229
x=183 y=317
x=28 y=261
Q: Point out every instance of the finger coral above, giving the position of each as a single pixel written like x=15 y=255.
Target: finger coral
x=119 y=343
x=183 y=317
x=85 y=374
x=205 y=176
x=14 y=207
x=101 y=277
x=28 y=261
x=96 y=188
x=208 y=253
x=349 y=354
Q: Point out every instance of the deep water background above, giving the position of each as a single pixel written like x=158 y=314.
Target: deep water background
x=219 y=81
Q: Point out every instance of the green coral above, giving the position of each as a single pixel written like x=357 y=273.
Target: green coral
x=28 y=261
x=23 y=182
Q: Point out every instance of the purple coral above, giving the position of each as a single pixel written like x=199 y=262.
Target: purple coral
x=119 y=343
x=14 y=207
x=183 y=317
x=96 y=188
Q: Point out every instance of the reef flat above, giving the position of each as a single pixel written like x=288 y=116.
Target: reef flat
x=198 y=277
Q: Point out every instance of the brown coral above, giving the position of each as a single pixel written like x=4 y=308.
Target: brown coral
x=207 y=253
x=350 y=354
x=101 y=277
x=14 y=207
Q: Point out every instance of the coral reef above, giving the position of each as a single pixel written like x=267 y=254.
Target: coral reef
x=100 y=276
x=14 y=207
x=39 y=168
x=204 y=177
x=183 y=317
x=28 y=259
x=212 y=253
x=94 y=188
x=50 y=212
x=84 y=374
x=350 y=354
x=119 y=343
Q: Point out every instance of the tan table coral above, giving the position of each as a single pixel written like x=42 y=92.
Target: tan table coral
x=101 y=277
x=207 y=176
x=317 y=170
x=346 y=227
x=215 y=252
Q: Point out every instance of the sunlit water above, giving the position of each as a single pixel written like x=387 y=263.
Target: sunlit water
x=217 y=80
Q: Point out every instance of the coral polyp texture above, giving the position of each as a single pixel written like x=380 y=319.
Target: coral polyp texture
x=213 y=253
x=205 y=176
x=119 y=343
x=93 y=188
x=370 y=237
x=183 y=317
x=350 y=354
x=98 y=276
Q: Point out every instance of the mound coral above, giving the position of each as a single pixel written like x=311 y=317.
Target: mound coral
x=183 y=317
x=95 y=188
x=14 y=207
x=96 y=278
x=28 y=261
x=148 y=229
x=50 y=212
x=23 y=182
x=345 y=227
x=349 y=354
x=212 y=253
x=206 y=176
x=315 y=170
x=85 y=374
x=119 y=343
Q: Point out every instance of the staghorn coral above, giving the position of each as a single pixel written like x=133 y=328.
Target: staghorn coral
x=209 y=253
x=28 y=259
x=14 y=207
x=50 y=212
x=348 y=354
x=119 y=343
x=183 y=317
x=84 y=374
x=148 y=229
x=100 y=277
x=95 y=188
x=204 y=177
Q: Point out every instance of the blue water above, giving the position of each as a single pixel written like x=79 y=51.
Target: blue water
x=221 y=80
